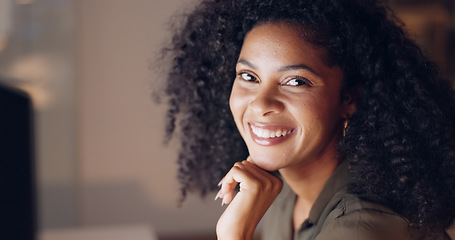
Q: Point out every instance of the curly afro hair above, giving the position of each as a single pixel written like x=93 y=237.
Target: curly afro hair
x=400 y=143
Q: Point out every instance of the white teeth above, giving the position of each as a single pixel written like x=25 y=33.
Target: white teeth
x=278 y=133
x=264 y=133
x=259 y=132
x=272 y=135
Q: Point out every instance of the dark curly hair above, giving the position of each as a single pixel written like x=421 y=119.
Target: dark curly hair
x=400 y=142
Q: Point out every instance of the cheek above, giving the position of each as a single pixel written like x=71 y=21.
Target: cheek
x=328 y=116
x=237 y=106
x=233 y=103
x=315 y=112
x=236 y=102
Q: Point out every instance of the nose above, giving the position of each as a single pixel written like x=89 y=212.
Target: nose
x=266 y=101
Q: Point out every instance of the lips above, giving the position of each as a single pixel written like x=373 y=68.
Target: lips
x=268 y=135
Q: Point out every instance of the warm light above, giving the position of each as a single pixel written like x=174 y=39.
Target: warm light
x=34 y=73
x=40 y=96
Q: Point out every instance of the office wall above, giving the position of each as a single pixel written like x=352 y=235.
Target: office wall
x=126 y=175
x=37 y=55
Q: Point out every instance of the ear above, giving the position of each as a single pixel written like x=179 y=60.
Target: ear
x=349 y=99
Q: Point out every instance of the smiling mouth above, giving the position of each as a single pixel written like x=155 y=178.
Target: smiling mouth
x=269 y=135
x=265 y=133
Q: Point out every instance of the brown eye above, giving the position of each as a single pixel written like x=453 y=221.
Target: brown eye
x=246 y=76
x=298 y=82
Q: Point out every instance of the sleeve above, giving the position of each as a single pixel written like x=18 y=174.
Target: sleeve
x=366 y=224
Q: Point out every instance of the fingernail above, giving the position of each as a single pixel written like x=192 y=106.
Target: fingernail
x=223 y=201
x=218 y=195
x=221 y=182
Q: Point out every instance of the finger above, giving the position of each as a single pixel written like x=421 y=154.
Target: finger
x=221 y=181
x=236 y=175
x=256 y=174
x=264 y=181
x=256 y=171
x=231 y=187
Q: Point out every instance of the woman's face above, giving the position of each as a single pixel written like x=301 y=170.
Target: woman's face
x=285 y=99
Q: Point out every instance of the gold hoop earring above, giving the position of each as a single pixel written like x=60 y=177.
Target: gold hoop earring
x=345 y=126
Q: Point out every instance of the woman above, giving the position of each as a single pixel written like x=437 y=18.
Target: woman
x=349 y=132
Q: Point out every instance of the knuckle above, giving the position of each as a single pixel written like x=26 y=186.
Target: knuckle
x=238 y=164
x=278 y=185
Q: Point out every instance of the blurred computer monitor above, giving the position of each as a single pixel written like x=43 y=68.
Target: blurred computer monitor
x=17 y=188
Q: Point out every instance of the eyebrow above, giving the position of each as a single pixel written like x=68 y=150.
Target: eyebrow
x=281 y=69
x=245 y=62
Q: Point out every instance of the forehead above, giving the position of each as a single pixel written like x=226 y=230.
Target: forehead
x=282 y=40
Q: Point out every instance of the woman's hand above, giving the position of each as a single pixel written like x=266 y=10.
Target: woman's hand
x=258 y=189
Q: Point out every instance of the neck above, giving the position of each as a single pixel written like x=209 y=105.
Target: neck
x=307 y=182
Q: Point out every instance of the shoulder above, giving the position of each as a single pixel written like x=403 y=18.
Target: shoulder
x=358 y=218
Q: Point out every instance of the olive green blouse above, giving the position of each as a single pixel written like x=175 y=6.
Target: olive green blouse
x=337 y=214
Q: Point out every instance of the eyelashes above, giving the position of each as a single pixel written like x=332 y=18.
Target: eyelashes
x=246 y=76
x=293 y=81
x=298 y=81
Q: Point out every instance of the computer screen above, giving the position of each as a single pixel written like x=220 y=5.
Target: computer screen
x=17 y=178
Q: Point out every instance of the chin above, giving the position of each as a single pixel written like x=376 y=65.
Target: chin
x=267 y=163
